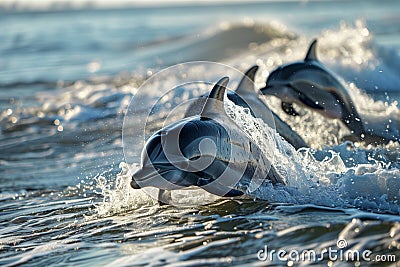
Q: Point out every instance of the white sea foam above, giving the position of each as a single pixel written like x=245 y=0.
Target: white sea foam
x=325 y=182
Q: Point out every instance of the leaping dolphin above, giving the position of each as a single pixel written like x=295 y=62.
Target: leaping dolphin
x=247 y=96
x=207 y=150
x=308 y=83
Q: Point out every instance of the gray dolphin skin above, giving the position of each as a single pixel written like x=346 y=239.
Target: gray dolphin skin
x=246 y=96
x=308 y=83
x=207 y=150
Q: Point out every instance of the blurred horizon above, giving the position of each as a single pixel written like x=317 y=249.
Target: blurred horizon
x=49 y=5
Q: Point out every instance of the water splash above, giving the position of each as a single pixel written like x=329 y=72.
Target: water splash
x=118 y=196
x=328 y=182
x=312 y=177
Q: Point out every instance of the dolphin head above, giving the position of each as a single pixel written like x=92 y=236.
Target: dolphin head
x=190 y=152
x=168 y=157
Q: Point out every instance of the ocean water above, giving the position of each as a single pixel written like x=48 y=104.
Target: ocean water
x=67 y=76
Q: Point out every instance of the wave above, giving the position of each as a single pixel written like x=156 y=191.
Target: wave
x=268 y=45
x=90 y=113
x=350 y=50
x=219 y=43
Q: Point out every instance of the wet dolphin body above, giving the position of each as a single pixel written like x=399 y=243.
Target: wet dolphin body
x=246 y=96
x=207 y=150
x=308 y=83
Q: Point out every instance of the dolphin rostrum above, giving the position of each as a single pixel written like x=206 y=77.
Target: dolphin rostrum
x=246 y=96
x=207 y=150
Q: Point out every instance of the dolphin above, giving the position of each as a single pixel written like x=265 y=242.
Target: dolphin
x=311 y=84
x=207 y=150
x=246 y=95
x=308 y=83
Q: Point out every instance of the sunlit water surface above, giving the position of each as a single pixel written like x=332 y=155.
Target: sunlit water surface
x=66 y=79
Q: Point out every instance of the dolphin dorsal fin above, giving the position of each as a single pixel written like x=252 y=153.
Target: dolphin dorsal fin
x=312 y=51
x=215 y=100
x=246 y=85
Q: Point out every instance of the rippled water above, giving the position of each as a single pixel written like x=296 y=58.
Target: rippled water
x=67 y=77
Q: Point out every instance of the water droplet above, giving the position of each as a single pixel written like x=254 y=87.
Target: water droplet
x=94 y=66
